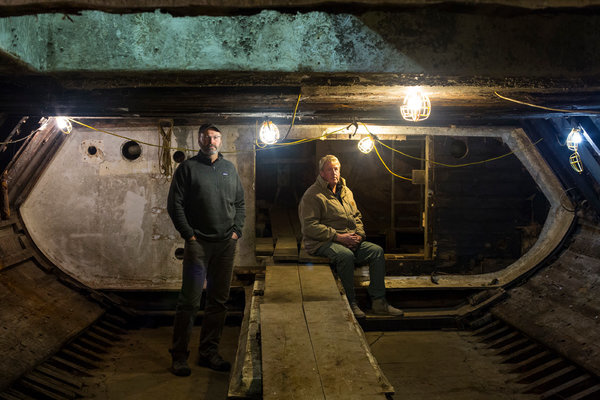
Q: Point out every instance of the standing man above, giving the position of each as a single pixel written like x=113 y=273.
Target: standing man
x=206 y=205
x=332 y=227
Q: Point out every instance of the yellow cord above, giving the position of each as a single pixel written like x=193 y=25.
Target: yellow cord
x=439 y=163
x=306 y=140
x=293 y=116
x=19 y=140
x=128 y=138
x=385 y=165
x=544 y=108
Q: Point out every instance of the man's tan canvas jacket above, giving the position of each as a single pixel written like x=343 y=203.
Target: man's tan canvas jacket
x=322 y=215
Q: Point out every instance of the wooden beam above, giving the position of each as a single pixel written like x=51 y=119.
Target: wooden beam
x=289 y=367
x=246 y=374
x=318 y=284
x=286 y=249
x=264 y=246
x=282 y=284
x=344 y=368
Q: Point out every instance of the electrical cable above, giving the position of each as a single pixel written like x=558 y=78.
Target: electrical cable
x=19 y=140
x=375 y=139
x=164 y=156
x=544 y=108
x=293 y=117
x=128 y=138
x=386 y=167
x=306 y=140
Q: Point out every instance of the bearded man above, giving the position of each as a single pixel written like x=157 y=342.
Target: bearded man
x=206 y=205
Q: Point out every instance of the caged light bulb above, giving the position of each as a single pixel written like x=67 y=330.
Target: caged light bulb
x=365 y=145
x=269 y=133
x=416 y=106
x=64 y=124
x=574 y=138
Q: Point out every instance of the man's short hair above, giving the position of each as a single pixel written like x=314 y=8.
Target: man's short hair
x=205 y=127
x=328 y=158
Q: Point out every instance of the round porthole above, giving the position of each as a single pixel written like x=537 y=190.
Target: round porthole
x=131 y=150
x=178 y=156
x=92 y=150
x=179 y=253
x=458 y=148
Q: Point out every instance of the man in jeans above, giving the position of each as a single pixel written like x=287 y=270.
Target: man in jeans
x=332 y=227
x=206 y=205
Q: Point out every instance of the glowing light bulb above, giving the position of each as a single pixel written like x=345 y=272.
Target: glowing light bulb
x=64 y=124
x=574 y=138
x=269 y=133
x=416 y=106
x=365 y=145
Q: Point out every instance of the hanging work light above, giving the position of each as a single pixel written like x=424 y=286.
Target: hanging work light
x=269 y=133
x=574 y=138
x=365 y=145
x=64 y=124
x=575 y=162
x=416 y=106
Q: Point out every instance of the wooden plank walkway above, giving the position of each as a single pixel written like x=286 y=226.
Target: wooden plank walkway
x=312 y=346
x=285 y=227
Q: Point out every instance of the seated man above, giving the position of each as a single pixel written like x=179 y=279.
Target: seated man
x=332 y=227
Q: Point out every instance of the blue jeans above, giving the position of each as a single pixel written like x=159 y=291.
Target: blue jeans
x=345 y=260
x=202 y=260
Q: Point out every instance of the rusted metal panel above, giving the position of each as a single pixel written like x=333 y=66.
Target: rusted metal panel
x=35 y=302
x=560 y=305
x=109 y=227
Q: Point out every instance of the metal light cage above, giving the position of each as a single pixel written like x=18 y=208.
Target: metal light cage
x=573 y=139
x=416 y=107
x=64 y=124
x=365 y=145
x=575 y=162
x=269 y=133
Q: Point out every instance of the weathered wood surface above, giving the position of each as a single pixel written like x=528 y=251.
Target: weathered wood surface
x=264 y=246
x=282 y=284
x=289 y=367
x=304 y=257
x=34 y=301
x=246 y=375
x=286 y=249
x=318 y=284
x=345 y=370
x=560 y=306
x=307 y=321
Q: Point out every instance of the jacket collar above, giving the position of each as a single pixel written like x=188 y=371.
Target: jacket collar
x=204 y=159
x=323 y=183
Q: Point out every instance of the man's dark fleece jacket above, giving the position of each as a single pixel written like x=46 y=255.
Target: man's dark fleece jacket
x=207 y=199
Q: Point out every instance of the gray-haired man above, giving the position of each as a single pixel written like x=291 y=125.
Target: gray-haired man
x=332 y=227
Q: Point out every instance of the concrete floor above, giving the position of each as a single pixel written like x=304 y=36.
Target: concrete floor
x=421 y=365
x=138 y=368
x=441 y=365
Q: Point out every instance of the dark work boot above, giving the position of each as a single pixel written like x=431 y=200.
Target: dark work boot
x=382 y=307
x=214 y=361
x=358 y=313
x=179 y=365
